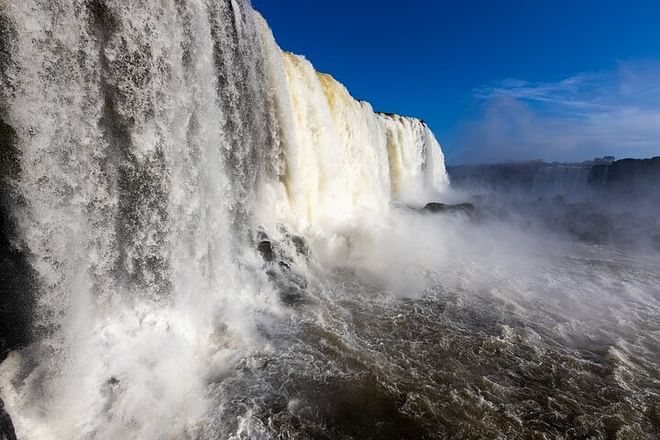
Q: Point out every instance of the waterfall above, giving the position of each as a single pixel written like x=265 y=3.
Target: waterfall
x=341 y=158
x=566 y=180
x=151 y=138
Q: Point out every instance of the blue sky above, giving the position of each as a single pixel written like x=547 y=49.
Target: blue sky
x=495 y=80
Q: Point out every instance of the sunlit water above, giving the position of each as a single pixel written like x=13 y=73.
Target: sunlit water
x=158 y=157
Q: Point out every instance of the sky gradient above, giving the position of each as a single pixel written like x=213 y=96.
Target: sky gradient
x=496 y=81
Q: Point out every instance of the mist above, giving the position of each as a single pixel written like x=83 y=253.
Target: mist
x=499 y=305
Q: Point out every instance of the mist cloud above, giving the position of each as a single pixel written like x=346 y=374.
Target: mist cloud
x=586 y=115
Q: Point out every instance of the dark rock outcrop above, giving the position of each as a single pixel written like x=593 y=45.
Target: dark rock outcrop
x=437 y=207
x=278 y=256
x=299 y=244
x=265 y=248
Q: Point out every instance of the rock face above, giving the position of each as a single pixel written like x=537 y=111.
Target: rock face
x=6 y=426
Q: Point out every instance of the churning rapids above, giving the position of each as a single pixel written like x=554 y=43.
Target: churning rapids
x=204 y=238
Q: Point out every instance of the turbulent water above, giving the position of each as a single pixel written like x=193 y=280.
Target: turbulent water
x=211 y=240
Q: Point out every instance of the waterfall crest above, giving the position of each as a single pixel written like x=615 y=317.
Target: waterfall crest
x=341 y=158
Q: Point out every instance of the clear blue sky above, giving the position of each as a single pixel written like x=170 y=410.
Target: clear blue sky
x=495 y=80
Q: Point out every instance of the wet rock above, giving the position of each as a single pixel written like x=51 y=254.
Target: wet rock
x=265 y=248
x=291 y=294
x=6 y=426
x=299 y=244
x=283 y=249
x=437 y=207
x=279 y=257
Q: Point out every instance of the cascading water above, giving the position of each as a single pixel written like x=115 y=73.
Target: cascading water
x=141 y=132
x=340 y=157
x=565 y=180
x=148 y=134
x=212 y=240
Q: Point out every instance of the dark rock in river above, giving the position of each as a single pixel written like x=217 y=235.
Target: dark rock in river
x=279 y=257
x=437 y=207
x=265 y=248
x=299 y=244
